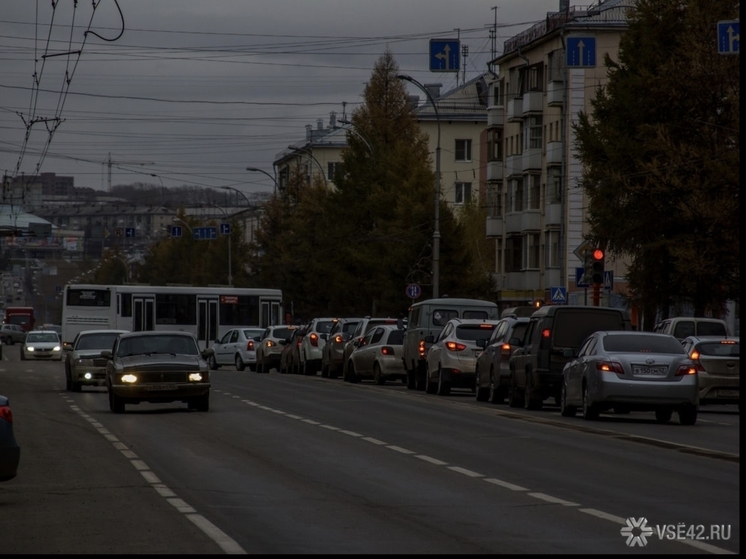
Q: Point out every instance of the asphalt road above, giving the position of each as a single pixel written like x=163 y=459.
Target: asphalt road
x=295 y=464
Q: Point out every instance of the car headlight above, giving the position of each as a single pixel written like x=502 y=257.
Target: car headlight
x=29 y=348
x=56 y=348
x=84 y=362
x=195 y=377
x=129 y=378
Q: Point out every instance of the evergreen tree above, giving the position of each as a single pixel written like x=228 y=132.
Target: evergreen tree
x=660 y=150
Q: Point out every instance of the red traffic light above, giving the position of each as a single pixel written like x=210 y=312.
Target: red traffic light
x=598 y=254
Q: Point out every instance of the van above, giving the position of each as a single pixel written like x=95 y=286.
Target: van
x=535 y=367
x=684 y=326
x=427 y=318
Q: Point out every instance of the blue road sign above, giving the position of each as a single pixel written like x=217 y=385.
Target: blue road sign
x=129 y=232
x=729 y=37
x=608 y=279
x=579 y=273
x=176 y=231
x=205 y=233
x=225 y=228
x=414 y=291
x=581 y=52
x=558 y=295
x=444 y=55
x=58 y=288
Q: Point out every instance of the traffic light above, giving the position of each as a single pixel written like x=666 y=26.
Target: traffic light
x=597 y=266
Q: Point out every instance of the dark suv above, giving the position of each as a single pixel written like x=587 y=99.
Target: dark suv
x=536 y=365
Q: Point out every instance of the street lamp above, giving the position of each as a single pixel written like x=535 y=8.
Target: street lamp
x=163 y=188
x=241 y=193
x=179 y=220
x=436 y=231
x=257 y=170
x=355 y=130
x=310 y=155
x=230 y=234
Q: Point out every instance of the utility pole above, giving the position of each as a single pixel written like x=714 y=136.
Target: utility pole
x=109 y=164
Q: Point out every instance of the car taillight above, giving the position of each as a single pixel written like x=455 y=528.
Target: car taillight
x=684 y=370
x=297 y=344
x=695 y=357
x=455 y=346
x=610 y=367
x=6 y=414
x=422 y=349
x=270 y=343
x=386 y=350
x=338 y=339
x=314 y=340
x=250 y=345
x=546 y=333
x=505 y=350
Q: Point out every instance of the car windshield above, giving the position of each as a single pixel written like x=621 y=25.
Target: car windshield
x=249 y=333
x=42 y=337
x=324 y=327
x=725 y=348
x=396 y=337
x=642 y=343
x=282 y=333
x=474 y=332
x=97 y=341
x=177 y=345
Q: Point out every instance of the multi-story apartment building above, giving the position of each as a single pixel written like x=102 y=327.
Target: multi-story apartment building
x=536 y=205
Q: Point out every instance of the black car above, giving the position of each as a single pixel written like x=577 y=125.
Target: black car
x=157 y=367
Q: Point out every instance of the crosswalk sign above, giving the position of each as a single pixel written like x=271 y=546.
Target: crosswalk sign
x=558 y=294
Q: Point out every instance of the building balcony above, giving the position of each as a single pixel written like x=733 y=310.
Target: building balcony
x=515 y=109
x=554 y=153
x=495 y=170
x=531 y=159
x=530 y=220
x=513 y=223
x=533 y=102
x=494 y=227
x=553 y=214
x=513 y=165
x=555 y=93
x=495 y=116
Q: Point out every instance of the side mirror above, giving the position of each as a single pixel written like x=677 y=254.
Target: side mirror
x=356 y=343
x=67 y=346
x=517 y=342
x=324 y=336
x=106 y=354
x=568 y=352
x=217 y=341
x=208 y=352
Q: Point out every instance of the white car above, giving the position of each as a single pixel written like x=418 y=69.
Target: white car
x=42 y=344
x=452 y=357
x=379 y=356
x=312 y=344
x=269 y=350
x=237 y=347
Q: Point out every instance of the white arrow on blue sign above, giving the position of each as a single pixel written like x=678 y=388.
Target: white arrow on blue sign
x=729 y=37
x=581 y=52
x=444 y=55
x=558 y=294
x=225 y=228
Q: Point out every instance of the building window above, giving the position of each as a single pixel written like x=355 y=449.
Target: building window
x=515 y=187
x=532 y=132
x=532 y=252
x=534 y=192
x=495 y=144
x=514 y=254
x=494 y=199
x=463 y=192
x=499 y=255
x=556 y=66
x=331 y=170
x=554 y=186
x=551 y=249
x=497 y=93
x=463 y=150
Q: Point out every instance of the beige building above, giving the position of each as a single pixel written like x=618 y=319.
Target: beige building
x=536 y=209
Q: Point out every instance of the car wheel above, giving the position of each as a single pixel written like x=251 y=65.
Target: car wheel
x=76 y=386
x=444 y=388
x=8 y=341
x=515 y=397
x=115 y=403
x=590 y=412
x=378 y=375
x=530 y=400
x=324 y=370
x=240 y=365
x=565 y=409
x=662 y=415
x=420 y=377
x=333 y=372
x=212 y=363
x=688 y=415
x=482 y=394
x=411 y=380
x=353 y=378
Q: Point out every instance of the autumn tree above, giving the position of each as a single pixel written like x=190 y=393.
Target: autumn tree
x=660 y=150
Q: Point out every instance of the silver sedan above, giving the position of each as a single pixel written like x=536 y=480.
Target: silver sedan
x=630 y=371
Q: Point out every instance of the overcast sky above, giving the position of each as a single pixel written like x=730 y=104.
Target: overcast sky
x=191 y=92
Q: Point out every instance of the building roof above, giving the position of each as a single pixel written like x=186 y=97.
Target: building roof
x=14 y=220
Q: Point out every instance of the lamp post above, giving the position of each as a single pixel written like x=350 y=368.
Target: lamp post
x=310 y=155
x=355 y=130
x=230 y=234
x=163 y=188
x=241 y=193
x=179 y=220
x=436 y=230
x=257 y=170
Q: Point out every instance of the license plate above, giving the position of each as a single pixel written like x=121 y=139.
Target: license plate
x=727 y=393
x=159 y=387
x=650 y=371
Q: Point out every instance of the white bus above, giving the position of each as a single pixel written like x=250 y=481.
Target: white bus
x=207 y=312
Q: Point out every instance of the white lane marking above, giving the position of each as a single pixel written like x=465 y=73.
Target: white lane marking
x=431 y=460
x=150 y=477
x=163 y=491
x=181 y=505
x=605 y=516
x=311 y=421
x=505 y=484
x=292 y=416
x=111 y=438
x=374 y=441
x=555 y=500
x=400 y=449
x=351 y=433
x=139 y=465
x=129 y=454
x=330 y=427
x=226 y=543
x=464 y=471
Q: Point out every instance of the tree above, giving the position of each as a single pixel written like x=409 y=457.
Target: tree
x=660 y=151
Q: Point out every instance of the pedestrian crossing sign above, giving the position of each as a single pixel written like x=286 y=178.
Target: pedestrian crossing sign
x=558 y=294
